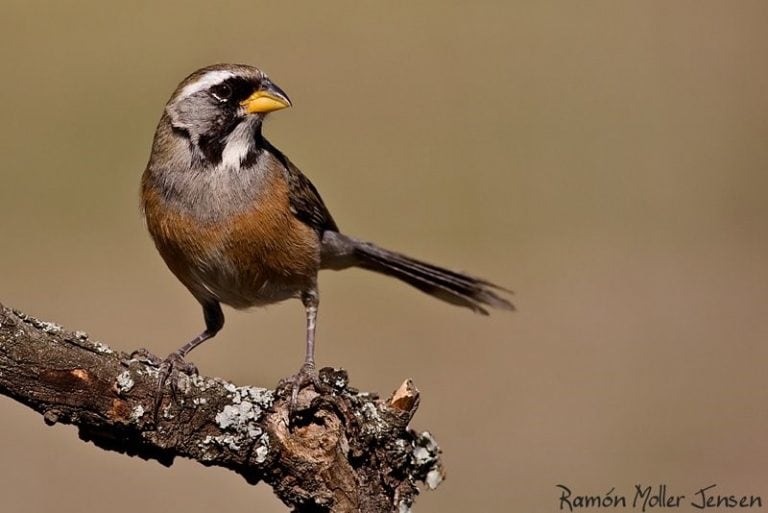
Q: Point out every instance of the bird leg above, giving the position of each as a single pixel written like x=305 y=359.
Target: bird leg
x=214 y=321
x=308 y=373
x=310 y=304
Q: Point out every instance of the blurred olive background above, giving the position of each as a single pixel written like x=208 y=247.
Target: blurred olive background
x=606 y=160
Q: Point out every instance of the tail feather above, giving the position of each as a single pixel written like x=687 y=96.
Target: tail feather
x=457 y=278
x=450 y=286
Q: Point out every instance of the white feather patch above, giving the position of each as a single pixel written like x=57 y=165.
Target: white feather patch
x=206 y=81
x=239 y=142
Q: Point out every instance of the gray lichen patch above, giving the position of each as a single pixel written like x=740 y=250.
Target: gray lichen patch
x=48 y=327
x=239 y=421
x=434 y=478
x=54 y=329
x=137 y=412
x=124 y=382
x=101 y=348
x=148 y=370
x=167 y=413
x=92 y=345
x=202 y=383
x=337 y=379
x=199 y=383
x=424 y=449
x=188 y=382
x=426 y=458
x=262 y=450
x=239 y=416
x=374 y=425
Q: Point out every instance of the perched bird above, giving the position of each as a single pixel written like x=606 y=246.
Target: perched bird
x=239 y=224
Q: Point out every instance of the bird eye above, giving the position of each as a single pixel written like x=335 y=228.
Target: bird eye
x=222 y=92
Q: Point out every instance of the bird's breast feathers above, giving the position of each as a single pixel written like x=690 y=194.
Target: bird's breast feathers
x=254 y=254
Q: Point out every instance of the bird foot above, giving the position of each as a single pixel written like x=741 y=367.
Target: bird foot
x=170 y=368
x=307 y=375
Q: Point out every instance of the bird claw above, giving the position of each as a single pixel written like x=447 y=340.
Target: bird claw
x=307 y=375
x=171 y=366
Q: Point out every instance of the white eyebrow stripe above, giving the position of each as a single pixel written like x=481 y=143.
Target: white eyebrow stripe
x=206 y=81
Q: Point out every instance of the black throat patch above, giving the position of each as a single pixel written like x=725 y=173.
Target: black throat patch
x=213 y=144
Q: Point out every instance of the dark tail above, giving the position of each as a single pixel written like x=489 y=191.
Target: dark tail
x=341 y=251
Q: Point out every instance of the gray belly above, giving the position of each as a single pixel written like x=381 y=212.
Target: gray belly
x=222 y=281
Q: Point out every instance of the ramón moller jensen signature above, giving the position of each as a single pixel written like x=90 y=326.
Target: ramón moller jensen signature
x=648 y=498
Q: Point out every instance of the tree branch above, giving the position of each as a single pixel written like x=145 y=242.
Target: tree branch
x=345 y=450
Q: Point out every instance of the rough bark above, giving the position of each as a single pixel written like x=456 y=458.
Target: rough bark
x=343 y=451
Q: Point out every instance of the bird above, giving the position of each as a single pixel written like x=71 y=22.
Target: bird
x=239 y=224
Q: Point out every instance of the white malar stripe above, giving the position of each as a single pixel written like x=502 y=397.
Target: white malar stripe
x=237 y=145
x=206 y=81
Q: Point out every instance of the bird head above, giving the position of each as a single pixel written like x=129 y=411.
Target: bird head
x=223 y=105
